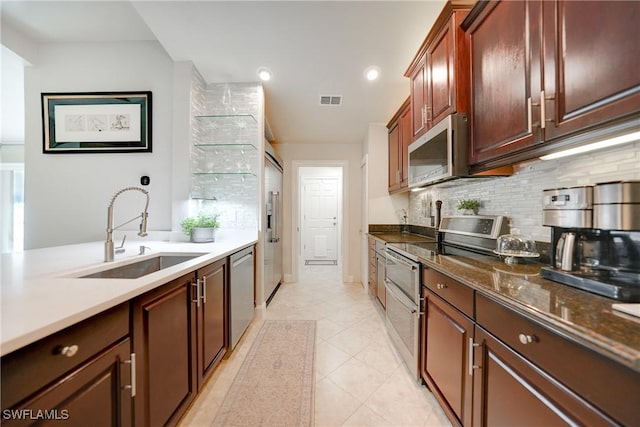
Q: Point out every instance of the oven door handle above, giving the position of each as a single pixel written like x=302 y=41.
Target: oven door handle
x=413 y=267
x=389 y=286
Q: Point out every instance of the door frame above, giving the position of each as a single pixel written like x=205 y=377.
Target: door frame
x=343 y=219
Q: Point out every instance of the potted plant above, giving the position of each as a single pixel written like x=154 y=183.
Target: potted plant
x=202 y=227
x=468 y=206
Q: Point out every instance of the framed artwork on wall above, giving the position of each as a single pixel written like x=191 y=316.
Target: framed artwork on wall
x=97 y=122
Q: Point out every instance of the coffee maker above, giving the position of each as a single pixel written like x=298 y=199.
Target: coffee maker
x=595 y=238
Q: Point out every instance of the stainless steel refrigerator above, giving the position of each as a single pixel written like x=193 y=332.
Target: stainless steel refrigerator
x=272 y=218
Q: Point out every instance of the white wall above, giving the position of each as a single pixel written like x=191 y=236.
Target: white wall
x=383 y=207
x=66 y=195
x=324 y=155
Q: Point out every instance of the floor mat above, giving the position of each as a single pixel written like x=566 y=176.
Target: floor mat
x=275 y=384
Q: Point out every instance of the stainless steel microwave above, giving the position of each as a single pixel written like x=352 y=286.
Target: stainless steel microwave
x=441 y=153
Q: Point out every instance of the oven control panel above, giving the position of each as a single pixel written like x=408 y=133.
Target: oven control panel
x=473 y=225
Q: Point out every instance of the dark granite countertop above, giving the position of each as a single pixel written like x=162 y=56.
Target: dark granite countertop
x=390 y=237
x=585 y=317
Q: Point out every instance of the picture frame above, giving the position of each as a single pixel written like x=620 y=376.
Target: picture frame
x=96 y=122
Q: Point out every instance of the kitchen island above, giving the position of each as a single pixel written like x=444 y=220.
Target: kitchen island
x=83 y=339
x=42 y=292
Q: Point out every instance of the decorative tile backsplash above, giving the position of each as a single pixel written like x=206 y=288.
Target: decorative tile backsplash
x=520 y=196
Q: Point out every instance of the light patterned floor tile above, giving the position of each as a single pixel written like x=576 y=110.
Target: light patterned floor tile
x=365 y=417
x=379 y=357
x=360 y=378
x=357 y=379
x=329 y=358
x=333 y=406
x=326 y=328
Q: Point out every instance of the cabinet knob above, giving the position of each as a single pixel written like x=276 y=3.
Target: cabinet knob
x=68 y=351
x=526 y=339
x=441 y=286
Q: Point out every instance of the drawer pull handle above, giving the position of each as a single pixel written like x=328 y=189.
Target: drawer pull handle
x=68 y=350
x=526 y=339
x=132 y=363
x=441 y=286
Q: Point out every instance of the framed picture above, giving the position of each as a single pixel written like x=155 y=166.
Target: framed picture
x=115 y=122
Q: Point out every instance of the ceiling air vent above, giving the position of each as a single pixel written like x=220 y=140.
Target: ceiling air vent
x=331 y=100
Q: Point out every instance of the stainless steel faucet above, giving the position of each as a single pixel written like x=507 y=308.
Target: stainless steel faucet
x=108 y=245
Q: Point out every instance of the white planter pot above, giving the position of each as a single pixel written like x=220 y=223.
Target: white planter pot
x=203 y=235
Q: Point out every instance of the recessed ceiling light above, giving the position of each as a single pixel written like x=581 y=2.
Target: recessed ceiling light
x=264 y=74
x=372 y=73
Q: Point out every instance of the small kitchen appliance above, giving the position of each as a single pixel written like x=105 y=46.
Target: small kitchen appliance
x=595 y=238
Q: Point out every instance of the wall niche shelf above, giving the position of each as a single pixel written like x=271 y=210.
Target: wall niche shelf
x=226 y=174
x=213 y=146
x=226 y=116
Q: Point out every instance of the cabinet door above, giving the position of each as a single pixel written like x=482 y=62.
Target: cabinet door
x=394 y=171
x=418 y=99
x=92 y=395
x=448 y=71
x=164 y=342
x=372 y=267
x=211 y=317
x=592 y=63
x=448 y=341
x=510 y=391
x=405 y=141
x=505 y=81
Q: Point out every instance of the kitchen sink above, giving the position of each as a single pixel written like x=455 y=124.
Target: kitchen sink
x=141 y=268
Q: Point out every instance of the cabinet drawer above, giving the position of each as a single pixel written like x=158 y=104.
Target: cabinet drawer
x=28 y=369
x=586 y=372
x=452 y=291
x=372 y=244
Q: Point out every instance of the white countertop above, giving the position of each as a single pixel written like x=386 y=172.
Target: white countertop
x=41 y=293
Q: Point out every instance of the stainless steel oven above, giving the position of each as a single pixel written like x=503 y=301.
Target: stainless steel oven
x=402 y=285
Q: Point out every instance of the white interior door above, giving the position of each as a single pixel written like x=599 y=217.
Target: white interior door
x=320 y=220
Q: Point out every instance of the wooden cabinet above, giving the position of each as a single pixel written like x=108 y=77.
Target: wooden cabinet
x=569 y=68
x=534 y=398
x=372 y=266
x=180 y=336
x=474 y=363
x=399 y=140
x=439 y=72
x=452 y=291
x=575 y=374
x=80 y=376
x=578 y=94
x=447 y=65
x=503 y=84
x=211 y=317
x=164 y=339
x=447 y=339
x=418 y=76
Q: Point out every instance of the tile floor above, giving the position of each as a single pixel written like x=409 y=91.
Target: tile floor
x=360 y=379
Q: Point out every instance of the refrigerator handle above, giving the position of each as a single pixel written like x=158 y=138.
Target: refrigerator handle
x=275 y=213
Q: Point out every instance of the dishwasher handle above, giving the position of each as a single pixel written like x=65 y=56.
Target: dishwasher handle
x=241 y=260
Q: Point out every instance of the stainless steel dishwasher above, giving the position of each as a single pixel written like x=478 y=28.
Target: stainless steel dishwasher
x=241 y=299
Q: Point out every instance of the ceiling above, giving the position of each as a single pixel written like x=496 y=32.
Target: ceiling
x=313 y=48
